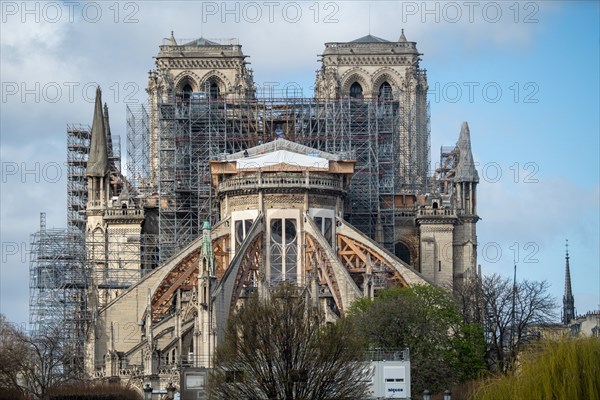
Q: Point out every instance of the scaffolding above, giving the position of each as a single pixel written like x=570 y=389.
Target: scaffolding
x=67 y=266
x=389 y=139
x=57 y=289
x=62 y=274
x=117 y=260
x=138 y=157
x=78 y=145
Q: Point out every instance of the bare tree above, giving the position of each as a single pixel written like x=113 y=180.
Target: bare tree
x=280 y=349
x=510 y=314
x=49 y=360
x=12 y=350
x=33 y=364
x=469 y=298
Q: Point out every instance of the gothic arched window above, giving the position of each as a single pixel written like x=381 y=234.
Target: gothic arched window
x=402 y=252
x=187 y=91
x=385 y=91
x=213 y=89
x=284 y=250
x=356 y=91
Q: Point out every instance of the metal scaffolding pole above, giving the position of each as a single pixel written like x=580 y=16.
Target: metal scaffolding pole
x=387 y=138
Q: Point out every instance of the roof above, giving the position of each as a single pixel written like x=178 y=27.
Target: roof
x=201 y=42
x=283 y=144
x=370 y=39
x=278 y=157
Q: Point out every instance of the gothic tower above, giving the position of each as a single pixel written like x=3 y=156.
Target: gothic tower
x=200 y=70
x=374 y=69
x=114 y=220
x=447 y=222
x=465 y=199
x=98 y=177
x=568 y=313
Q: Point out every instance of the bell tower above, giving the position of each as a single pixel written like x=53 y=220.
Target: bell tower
x=374 y=70
x=198 y=70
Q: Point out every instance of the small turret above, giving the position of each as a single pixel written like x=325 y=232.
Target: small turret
x=207 y=254
x=172 y=41
x=402 y=38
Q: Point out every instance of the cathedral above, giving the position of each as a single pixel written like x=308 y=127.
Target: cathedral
x=228 y=194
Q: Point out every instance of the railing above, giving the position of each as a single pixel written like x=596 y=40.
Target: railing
x=387 y=355
x=404 y=45
x=124 y=212
x=275 y=181
x=442 y=212
x=404 y=213
x=132 y=370
x=99 y=373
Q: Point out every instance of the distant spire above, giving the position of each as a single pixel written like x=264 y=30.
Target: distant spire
x=402 y=37
x=97 y=165
x=568 y=300
x=465 y=171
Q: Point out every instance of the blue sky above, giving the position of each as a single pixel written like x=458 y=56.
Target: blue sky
x=536 y=140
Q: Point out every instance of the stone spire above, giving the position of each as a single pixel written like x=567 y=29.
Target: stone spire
x=97 y=165
x=568 y=313
x=465 y=171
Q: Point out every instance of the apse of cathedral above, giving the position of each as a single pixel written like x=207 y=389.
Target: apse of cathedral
x=237 y=194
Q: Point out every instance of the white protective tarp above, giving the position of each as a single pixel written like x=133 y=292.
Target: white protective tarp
x=282 y=157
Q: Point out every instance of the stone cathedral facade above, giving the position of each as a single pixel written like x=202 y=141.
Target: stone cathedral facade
x=240 y=193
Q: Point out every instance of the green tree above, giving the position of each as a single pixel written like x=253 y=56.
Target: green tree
x=279 y=348
x=553 y=370
x=443 y=349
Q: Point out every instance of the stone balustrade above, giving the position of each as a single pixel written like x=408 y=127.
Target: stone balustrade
x=440 y=212
x=282 y=180
x=125 y=212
